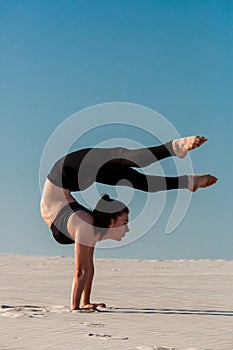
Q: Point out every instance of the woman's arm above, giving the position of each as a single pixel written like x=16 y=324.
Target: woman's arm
x=80 y=274
x=80 y=226
x=86 y=303
x=88 y=286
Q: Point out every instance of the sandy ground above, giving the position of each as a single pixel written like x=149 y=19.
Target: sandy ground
x=178 y=304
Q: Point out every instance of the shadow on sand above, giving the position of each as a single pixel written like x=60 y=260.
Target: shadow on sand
x=149 y=311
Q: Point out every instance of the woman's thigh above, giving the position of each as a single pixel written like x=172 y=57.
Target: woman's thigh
x=124 y=177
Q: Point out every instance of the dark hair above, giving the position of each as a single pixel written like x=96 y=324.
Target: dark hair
x=105 y=210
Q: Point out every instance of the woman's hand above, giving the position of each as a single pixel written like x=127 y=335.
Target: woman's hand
x=85 y=309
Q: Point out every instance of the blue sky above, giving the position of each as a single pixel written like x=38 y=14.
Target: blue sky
x=175 y=57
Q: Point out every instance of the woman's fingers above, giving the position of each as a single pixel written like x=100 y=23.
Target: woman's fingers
x=93 y=306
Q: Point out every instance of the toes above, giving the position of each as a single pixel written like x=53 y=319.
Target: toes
x=196 y=141
x=200 y=140
x=211 y=180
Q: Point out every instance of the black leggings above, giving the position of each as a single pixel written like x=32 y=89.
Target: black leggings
x=114 y=166
x=119 y=171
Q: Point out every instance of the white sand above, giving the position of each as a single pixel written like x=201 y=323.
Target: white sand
x=181 y=304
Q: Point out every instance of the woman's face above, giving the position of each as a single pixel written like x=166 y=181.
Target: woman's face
x=118 y=228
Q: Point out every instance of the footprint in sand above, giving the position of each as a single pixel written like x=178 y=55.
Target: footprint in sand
x=155 y=348
x=96 y=325
x=22 y=311
x=107 y=336
x=29 y=311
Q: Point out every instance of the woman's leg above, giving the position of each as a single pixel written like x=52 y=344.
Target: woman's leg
x=137 y=158
x=132 y=178
x=142 y=157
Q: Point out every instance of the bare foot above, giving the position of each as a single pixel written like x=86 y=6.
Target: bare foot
x=185 y=144
x=200 y=181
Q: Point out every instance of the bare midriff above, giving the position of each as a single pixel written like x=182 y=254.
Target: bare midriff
x=53 y=199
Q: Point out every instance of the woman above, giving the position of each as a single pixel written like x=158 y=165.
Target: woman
x=71 y=223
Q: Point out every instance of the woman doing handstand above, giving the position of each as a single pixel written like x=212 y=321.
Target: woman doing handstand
x=70 y=222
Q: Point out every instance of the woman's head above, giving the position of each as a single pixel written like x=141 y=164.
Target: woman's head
x=110 y=218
